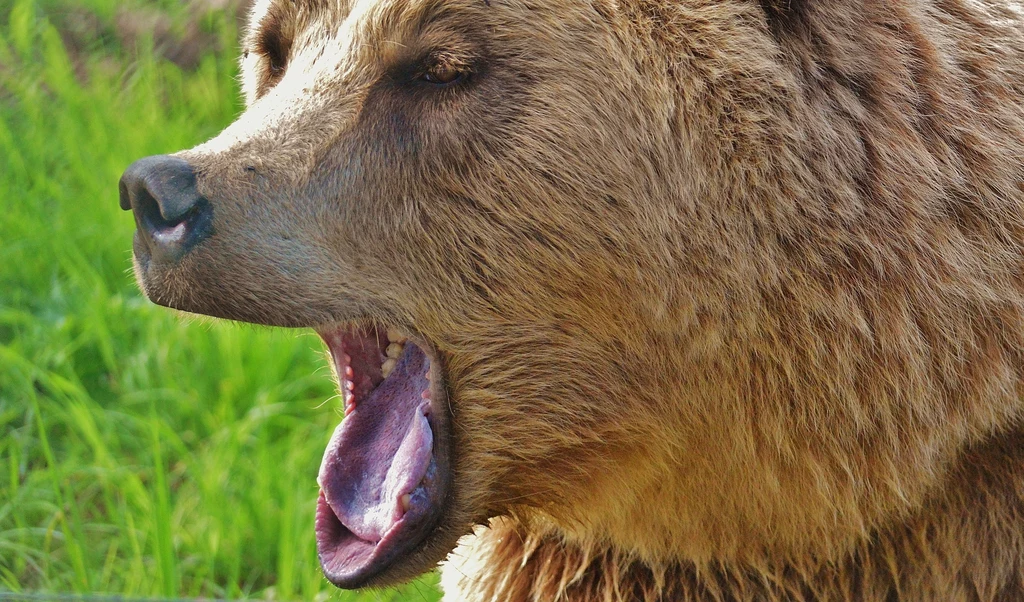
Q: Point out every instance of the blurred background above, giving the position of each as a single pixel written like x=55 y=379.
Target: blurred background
x=143 y=453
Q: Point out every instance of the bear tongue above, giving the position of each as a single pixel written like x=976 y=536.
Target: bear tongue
x=374 y=469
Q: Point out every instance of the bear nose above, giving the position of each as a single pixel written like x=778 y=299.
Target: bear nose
x=171 y=216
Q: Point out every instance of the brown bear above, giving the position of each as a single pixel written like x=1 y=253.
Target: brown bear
x=641 y=299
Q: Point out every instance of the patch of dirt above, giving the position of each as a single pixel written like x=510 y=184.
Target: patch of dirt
x=180 y=38
x=181 y=43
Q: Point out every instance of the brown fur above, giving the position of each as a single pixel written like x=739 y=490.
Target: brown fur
x=944 y=551
x=731 y=294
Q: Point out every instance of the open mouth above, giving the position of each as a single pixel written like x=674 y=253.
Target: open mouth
x=385 y=474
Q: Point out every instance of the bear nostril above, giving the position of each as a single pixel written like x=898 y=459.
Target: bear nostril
x=126 y=200
x=170 y=214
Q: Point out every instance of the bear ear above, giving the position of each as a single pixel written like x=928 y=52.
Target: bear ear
x=785 y=16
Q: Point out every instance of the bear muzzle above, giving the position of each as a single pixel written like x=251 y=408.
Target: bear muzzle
x=171 y=216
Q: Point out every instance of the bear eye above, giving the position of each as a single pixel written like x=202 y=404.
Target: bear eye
x=275 y=49
x=444 y=73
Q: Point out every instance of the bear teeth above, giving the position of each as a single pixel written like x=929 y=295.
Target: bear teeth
x=396 y=344
x=394 y=350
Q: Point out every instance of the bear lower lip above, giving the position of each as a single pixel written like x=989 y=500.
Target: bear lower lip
x=383 y=480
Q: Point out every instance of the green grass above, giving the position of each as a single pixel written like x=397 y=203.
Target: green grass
x=142 y=453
